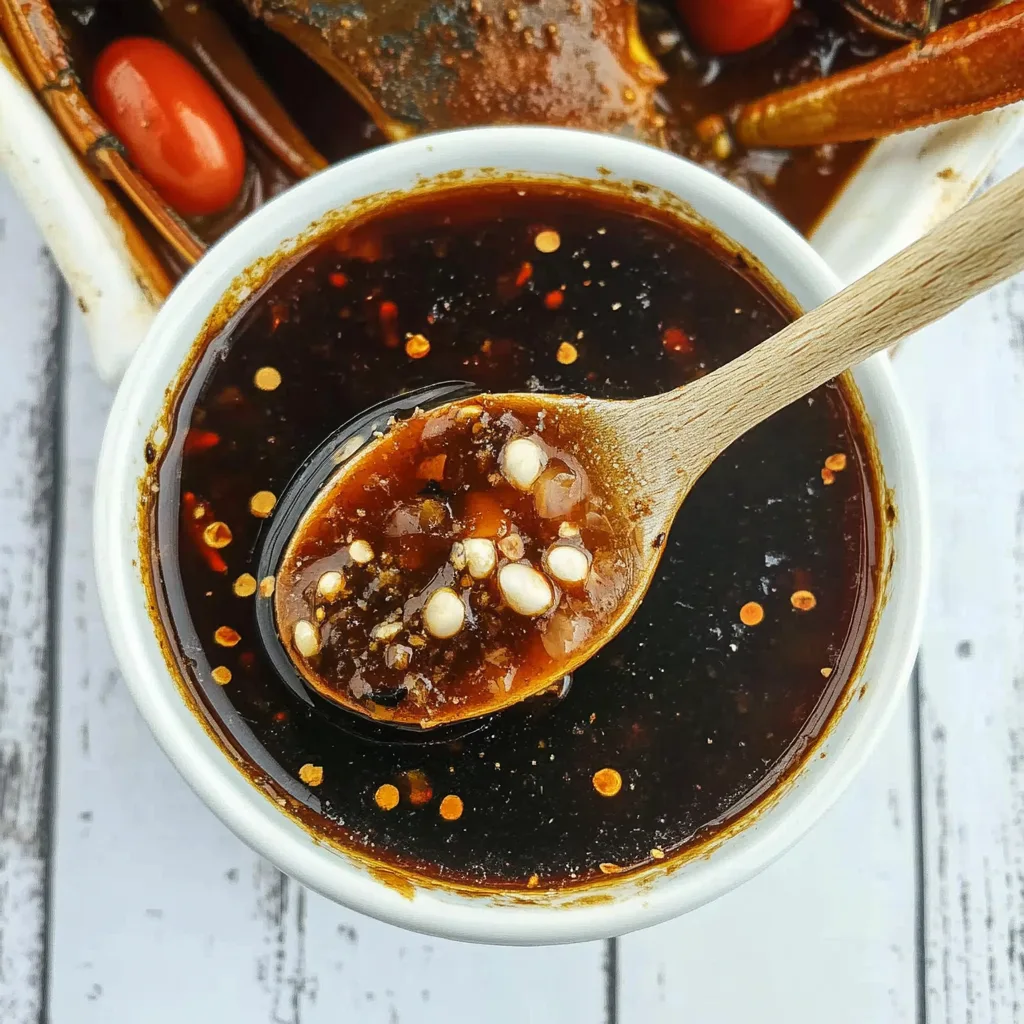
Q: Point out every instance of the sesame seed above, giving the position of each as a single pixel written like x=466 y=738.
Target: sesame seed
x=217 y=535
x=221 y=675
x=547 y=241
x=245 y=585
x=803 y=601
x=567 y=353
x=262 y=503
x=311 y=774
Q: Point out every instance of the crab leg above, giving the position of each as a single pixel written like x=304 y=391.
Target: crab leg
x=965 y=68
x=424 y=65
x=35 y=37
x=200 y=31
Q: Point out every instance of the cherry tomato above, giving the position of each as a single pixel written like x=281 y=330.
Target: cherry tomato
x=729 y=26
x=175 y=128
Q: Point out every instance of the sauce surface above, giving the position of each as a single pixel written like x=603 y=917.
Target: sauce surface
x=730 y=668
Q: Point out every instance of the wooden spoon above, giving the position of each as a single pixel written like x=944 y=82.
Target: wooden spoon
x=661 y=445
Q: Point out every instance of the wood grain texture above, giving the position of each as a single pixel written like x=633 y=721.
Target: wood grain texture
x=161 y=915
x=829 y=925
x=31 y=298
x=966 y=386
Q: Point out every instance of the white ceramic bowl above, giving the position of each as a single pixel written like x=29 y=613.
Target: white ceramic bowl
x=612 y=906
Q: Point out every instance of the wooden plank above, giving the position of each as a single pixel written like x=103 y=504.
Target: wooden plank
x=967 y=389
x=31 y=300
x=161 y=914
x=825 y=933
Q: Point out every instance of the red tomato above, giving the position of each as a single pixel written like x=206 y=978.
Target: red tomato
x=729 y=26
x=175 y=128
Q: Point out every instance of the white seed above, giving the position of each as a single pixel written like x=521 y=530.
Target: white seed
x=444 y=613
x=480 y=557
x=567 y=530
x=330 y=585
x=512 y=546
x=306 y=637
x=458 y=556
x=567 y=564
x=522 y=461
x=386 y=630
x=469 y=412
x=525 y=589
x=360 y=552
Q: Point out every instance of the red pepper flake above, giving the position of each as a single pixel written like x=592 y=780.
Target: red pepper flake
x=280 y=716
x=525 y=273
x=567 y=353
x=338 y=279
x=225 y=636
x=195 y=512
x=388 y=314
x=607 y=781
x=553 y=300
x=751 y=614
x=676 y=340
x=278 y=315
x=200 y=441
x=420 y=790
x=417 y=347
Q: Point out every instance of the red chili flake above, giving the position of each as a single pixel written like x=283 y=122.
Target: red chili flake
x=280 y=716
x=195 y=527
x=338 y=279
x=420 y=790
x=278 y=315
x=388 y=314
x=525 y=273
x=200 y=441
x=676 y=340
x=554 y=299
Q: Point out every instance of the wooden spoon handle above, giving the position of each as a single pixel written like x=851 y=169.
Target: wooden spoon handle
x=972 y=250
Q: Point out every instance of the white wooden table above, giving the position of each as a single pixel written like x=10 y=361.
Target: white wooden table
x=123 y=900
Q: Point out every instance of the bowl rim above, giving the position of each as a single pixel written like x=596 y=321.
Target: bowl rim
x=636 y=901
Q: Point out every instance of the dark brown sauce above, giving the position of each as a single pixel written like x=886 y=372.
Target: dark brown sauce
x=689 y=715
